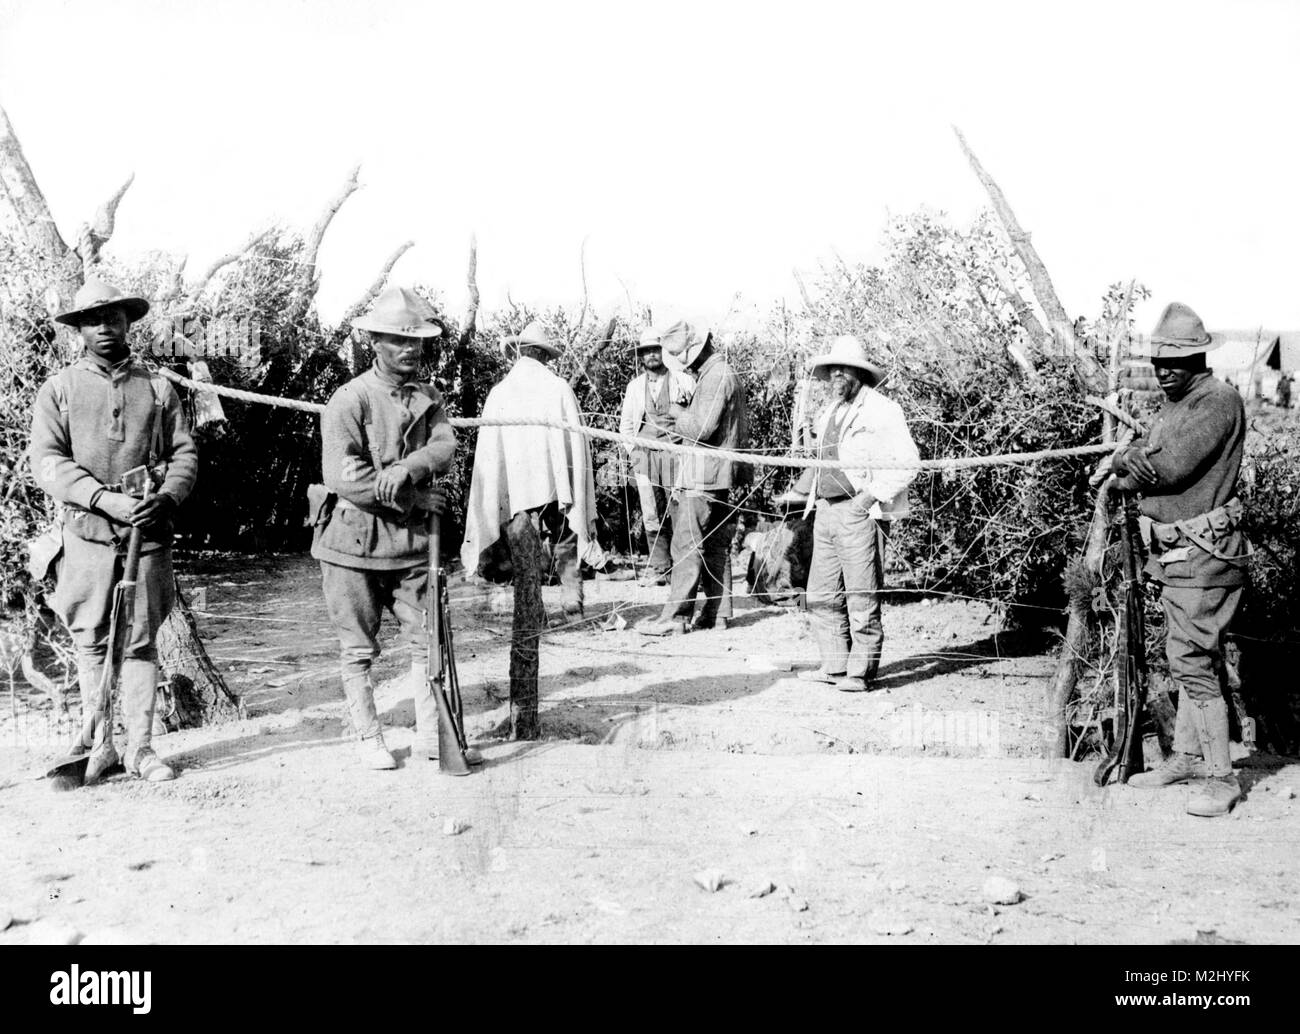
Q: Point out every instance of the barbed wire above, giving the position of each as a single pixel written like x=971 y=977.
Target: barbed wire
x=945 y=465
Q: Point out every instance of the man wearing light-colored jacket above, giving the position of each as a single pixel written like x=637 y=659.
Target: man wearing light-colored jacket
x=647 y=404
x=854 y=510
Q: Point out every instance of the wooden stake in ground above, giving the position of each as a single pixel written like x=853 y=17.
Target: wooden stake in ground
x=526 y=556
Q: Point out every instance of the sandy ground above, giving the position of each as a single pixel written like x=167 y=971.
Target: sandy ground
x=877 y=817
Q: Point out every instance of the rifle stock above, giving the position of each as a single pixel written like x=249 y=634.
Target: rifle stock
x=451 y=739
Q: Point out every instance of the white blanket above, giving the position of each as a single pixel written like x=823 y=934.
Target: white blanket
x=517 y=468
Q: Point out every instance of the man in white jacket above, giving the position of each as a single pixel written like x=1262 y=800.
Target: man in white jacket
x=647 y=404
x=854 y=511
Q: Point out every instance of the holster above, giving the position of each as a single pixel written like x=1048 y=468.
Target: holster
x=44 y=550
x=320 y=506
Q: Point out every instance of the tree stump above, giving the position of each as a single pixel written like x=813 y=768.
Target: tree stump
x=526 y=557
x=198 y=691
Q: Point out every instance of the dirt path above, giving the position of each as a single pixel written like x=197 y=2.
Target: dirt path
x=883 y=812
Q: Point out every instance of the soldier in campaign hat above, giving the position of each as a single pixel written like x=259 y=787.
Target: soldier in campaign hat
x=385 y=438
x=1185 y=472
x=94 y=422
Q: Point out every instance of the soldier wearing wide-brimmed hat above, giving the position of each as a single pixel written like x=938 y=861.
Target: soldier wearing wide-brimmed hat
x=92 y=423
x=646 y=415
x=717 y=417
x=385 y=437
x=1185 y=471
x=855 y=509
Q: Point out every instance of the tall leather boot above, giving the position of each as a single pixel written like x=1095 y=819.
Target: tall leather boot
x=1220 y=790
x=139 y=694
x=1185 y=761
x=104 y=759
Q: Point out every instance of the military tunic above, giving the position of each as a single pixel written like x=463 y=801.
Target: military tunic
x=91 y=423
x=1198 y=552
x=374 y=556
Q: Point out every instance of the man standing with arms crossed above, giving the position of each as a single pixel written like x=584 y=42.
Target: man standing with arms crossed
x=385 y=437
x=716 y=418
x=647 y=406
x=1185 y=471
x=92 y=423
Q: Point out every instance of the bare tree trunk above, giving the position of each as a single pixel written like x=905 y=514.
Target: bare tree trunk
x=18 y=186
x=198 y=690
x=1076 y=631
x=526 y=556
x=1088 y=370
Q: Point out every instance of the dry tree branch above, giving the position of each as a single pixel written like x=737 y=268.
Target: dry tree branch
x=25 y=195
x=92 y=237
x=307 y=278
x=1087 y=368
x=602 y=343
x=200 y=285
x=344 y=327
x=1025 y=314
x=582 y=313
x=471 y=284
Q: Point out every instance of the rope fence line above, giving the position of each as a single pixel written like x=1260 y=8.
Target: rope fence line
x=945 y=465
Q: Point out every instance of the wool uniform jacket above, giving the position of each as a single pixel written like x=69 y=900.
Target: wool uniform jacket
x=90 y=425
x=681 y=386
x=372 y=423
x=519 y=468
x=874 y=437
x=717 y=417
x=1200 y=439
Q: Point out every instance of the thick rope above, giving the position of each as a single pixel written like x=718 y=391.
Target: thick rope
x=947 y=465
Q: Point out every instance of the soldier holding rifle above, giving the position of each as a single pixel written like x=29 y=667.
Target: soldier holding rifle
x=1185 y=471
x=97 y=425
x=385 y=437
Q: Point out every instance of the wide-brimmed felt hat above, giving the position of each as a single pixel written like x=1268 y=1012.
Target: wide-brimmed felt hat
x=402 y=312
x=97 y=295
x=651 y=337
x=533 y=335
x=846 y=350
x=1180 y=332
x=685 y=340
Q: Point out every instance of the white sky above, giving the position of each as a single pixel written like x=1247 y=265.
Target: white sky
x=702 y=149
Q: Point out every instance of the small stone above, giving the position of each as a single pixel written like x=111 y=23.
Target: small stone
x=1286 y=793
x=797 y=904
x=6 y=919
x=47 y=932
x=1001 y=891
x=895 y=885
x=1054 y=856
x=747 y=829
x=887 y=925
x=710 y=879
x=759 y=888
x=453 y=827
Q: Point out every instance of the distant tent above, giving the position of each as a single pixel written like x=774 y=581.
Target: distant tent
x=1253 y=361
